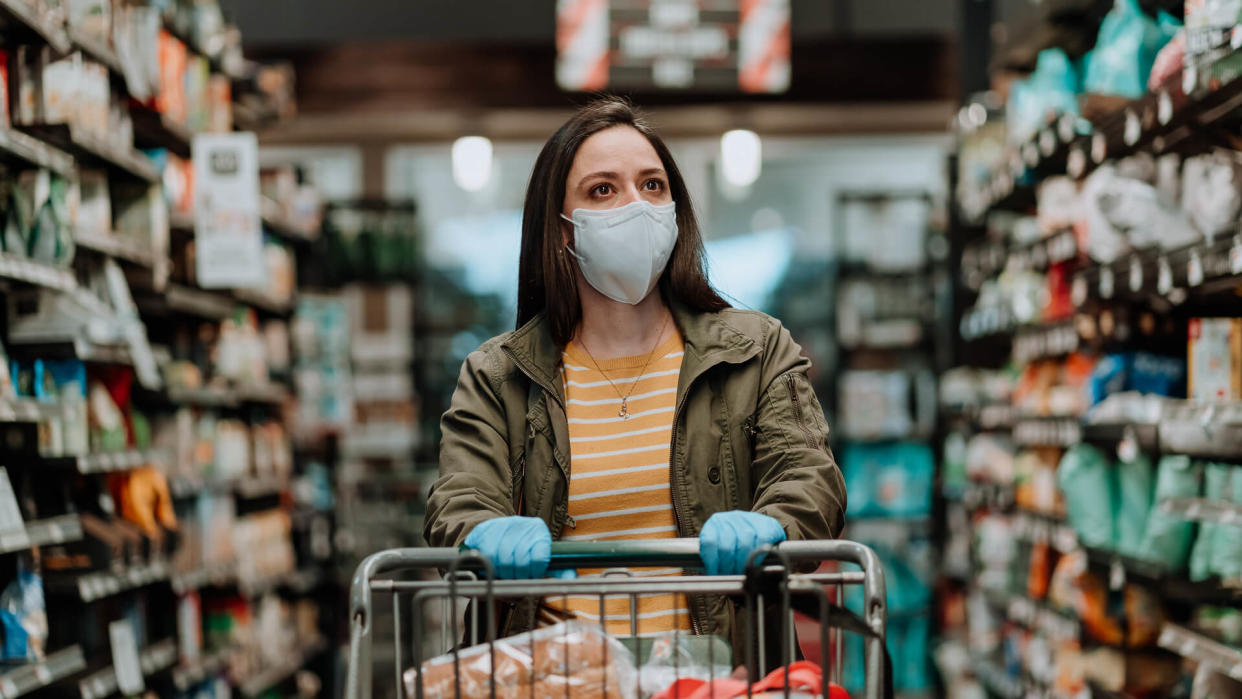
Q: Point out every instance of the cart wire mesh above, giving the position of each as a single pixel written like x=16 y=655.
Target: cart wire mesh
x=433 y=603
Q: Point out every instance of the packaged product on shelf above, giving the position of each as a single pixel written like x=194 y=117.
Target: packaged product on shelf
x=220 y=104
x=95 y=204
x=93 y=17
x=189 y=627
x=892 y=480
x=1224 y=623
x=173 y=58
x=142 y=216
x=1217 y=481
x=1125 y=50
x=1134 y=673
x=382 y=319
x=1209 y=27
x=1075 y=588
x=569 y=659
x=232 y=449
x=989 y=458
x=1121 y=213
x=106 y=420
x=1136 y=480
x=197 y=73
x=1214 y=361
x=1169 y=538
x=1050 y=90
x=1039 y=572
x=142 y=497
x=1086 y=479
x=1212 y=191
x=1227 y=558
x=1057 y=204
x=23 y=616
x=1169 y=61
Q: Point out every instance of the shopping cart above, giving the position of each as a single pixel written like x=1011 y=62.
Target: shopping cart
x=770 y=578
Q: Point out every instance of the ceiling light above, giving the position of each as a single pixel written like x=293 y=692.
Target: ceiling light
x=741 y=156
x=472 y=162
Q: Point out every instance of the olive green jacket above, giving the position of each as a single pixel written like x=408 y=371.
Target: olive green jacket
x=748 y=434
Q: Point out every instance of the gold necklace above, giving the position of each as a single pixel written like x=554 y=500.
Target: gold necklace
x=624 y=413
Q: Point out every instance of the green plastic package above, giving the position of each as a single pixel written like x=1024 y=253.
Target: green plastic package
x=1084 y=475
x=1169 y=538
x=1217 y=479
x=1125 y=50
x=1136 y=481
x=1227 y=544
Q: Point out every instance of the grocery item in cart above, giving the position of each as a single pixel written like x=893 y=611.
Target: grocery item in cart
x=569 y=659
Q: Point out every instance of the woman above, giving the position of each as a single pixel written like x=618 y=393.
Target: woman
x=631 y=402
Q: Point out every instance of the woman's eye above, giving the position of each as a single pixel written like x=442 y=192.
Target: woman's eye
x=653 y=185
x=601 y=190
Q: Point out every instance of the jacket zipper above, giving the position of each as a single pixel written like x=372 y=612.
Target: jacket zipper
x=797 y=407
x=678 y=506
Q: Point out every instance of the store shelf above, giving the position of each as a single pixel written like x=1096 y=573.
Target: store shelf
x=27 y=410
x=209 y=575
x=990 y=495
x=57 y=666
x=54 y=530
x=197 y=302
x=21 y=269
x=116 y=246
x=93 y=586
x=71 y=348
x=1188 y=644
x=393 y=442
x=190 y=674
x=96 y=49
x=1172 y=586
x=1047 y=431
x=262 y=302
x=28 y=20
x=1045 y=341
x=276 y=223
x=1201 y=430
x=986 y=321
x=25 y=150
x=1041 y=528
x=42 y=532
x=269 y=393
x=128 y=162
x=204 y=397
x=1203 y=510
x=153 y=129
x=1036 y=616
x=1145 y=436
x=257 y=683
x=107 y=462
x=153 y=659
x=252 y=487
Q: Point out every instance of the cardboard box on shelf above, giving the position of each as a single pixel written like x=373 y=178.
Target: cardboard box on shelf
x=1215 y=359
x=383 y=323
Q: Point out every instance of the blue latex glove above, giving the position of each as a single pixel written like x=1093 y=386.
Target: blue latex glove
x=518 y=547
x=728 y=538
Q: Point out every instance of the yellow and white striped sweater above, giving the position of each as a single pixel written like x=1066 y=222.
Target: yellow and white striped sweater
x=619 y=483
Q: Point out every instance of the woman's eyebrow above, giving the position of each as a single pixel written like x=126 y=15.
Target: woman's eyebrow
x=602 y=174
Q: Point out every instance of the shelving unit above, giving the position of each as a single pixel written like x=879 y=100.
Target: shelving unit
x=153 y=659
x=57 y=666
x=1197 y=647
x=255 y=685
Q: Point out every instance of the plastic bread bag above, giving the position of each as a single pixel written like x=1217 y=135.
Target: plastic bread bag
x=566 y=658
x=675 y=656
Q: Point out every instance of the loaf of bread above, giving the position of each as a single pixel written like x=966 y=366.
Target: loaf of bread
x=569 y=659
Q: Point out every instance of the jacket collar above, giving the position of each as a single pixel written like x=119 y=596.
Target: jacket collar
x=709 y=340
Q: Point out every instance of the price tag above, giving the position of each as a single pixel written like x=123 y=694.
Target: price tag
x=1065 y=127
x=1047 y=142
x=1194 y=269
x=1133 y=129
x=1106 y=282
x=1235 y=38
x=1116 y=575
x=1164 y=276
x=1164 y=108
x=42 y=674
x=1078 y=291
x=1099 y=148
x=1030 y=154
x=1127 y=448
x=1190 y=78
x=125 y=658
x=1136 y=275
x=1235 y=257
x=1076 y=163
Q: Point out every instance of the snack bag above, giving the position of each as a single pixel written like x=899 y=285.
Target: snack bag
x=568 y=659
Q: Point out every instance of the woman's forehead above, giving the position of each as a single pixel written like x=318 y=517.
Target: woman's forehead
x=617 y=146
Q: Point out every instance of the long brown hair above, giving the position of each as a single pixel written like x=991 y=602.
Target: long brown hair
x=547 y=281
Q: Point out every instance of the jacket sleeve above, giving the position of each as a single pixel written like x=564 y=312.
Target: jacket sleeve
x=796 y=478
x=475 y=482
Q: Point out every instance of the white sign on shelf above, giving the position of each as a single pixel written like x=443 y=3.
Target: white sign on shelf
x=228 y=231
x=125 y=658
x=11 y=524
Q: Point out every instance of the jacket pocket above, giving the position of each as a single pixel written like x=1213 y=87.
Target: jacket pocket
x=798 y=413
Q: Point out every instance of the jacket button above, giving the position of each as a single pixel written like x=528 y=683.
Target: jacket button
x=713 y=475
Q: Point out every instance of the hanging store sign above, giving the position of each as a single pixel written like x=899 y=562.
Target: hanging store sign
x=718 y=45
x=228 y=233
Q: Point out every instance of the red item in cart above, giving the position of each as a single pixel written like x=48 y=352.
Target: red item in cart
x=804 y=677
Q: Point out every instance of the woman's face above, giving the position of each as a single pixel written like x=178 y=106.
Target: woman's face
x=615 y=167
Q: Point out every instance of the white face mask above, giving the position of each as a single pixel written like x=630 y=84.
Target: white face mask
x=622 y=251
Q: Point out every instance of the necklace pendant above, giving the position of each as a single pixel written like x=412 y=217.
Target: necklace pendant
x=624 y=413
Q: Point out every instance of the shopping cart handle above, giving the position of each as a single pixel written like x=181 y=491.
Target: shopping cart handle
x=676 y=553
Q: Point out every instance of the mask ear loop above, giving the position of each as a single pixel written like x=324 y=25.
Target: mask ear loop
x=567 y=248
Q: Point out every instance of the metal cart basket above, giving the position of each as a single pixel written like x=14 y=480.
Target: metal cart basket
x=770 y=580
